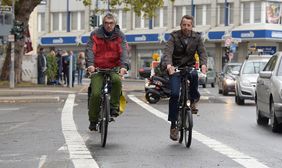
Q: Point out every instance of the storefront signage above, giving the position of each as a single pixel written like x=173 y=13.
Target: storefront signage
x=70 y=40
x=215 y=35
x=267 y=50
x=253 y=34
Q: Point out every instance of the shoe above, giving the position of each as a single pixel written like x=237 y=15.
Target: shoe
x=174 y=134
x=114 y=113
x=93 y=126
x=193 y=106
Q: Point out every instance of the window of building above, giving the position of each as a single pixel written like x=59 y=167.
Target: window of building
x=55 y=19
x=156 y=19
x=82 y=20
x=146 y=22
x=188 y=10
x=221 y=14
x=199 y=14
x=178 y=15
x=165 y=16
x=246 y=12
x=137 y=21
x=41 y=22
x=124 y=20
x=257 y=12
x=74 y=20
x=273 y=13
x=231 y=13
x=208 y=14
x=64 y=21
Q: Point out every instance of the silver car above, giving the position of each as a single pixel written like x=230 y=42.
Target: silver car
x=269 y=94
x=246 y=80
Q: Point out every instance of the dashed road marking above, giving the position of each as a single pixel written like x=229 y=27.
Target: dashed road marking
x=239 y=157
x=79 y=154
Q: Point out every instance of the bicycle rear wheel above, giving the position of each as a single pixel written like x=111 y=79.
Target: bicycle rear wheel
x=188 y=127
x=105 y=111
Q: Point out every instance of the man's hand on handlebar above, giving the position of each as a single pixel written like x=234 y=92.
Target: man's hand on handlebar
x=91 y=69
x=170 y=69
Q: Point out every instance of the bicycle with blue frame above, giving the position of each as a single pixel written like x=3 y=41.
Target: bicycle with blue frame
x=185 y=118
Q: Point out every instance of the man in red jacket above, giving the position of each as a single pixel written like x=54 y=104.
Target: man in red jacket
x=107 y=50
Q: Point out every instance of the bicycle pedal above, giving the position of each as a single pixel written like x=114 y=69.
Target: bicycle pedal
x=112 y=119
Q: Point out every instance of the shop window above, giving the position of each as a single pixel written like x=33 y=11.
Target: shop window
x=82 y=20
x=74 y=20
x=208 y=14
x=64 y=21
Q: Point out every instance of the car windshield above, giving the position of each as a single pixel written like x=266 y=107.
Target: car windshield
x=231 y=68
x=253 y=67
x=280 y=69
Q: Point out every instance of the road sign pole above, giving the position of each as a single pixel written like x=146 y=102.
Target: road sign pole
x=12 y=69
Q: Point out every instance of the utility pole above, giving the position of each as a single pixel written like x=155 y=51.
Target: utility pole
x=12 y=40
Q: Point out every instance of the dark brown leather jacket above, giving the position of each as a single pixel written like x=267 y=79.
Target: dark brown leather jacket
x=178 y=53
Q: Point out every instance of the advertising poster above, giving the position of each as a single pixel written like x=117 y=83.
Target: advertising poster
x=273 y=12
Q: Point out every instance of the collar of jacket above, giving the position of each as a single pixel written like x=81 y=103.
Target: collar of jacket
x=101 y=34
x=180 y=35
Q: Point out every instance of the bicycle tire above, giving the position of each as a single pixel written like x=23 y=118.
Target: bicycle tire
x=188 y=127
x=180 y=126
x=105 y=111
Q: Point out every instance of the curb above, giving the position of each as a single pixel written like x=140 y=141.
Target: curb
x=30 y=99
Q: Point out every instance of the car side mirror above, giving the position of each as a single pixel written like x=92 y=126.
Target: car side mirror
x=265 y=74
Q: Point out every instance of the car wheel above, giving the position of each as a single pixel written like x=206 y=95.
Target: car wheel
x=224 y=92
x=260 y=119
x=219 y=91
x=204 y=85
x=212 y=85
x=273 y=119
x=239 y=101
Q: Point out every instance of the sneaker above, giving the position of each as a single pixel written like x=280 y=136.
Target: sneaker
x=114 y=113
x=194 y=108
x=174 y=134
x=93 y=126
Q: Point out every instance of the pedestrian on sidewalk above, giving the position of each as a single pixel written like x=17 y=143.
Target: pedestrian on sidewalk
x=81 y=67
x=41 y=66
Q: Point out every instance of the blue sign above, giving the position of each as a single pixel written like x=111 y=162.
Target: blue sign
x=70 y=40
x=267 y=50
x=257 y=34
x=84 y=39
x=216 y=35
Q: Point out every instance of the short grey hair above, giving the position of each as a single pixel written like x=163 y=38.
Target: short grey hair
x=110 y=16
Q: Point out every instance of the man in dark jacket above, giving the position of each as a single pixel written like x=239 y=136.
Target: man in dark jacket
x=41 y=66
x=106 y=50
x=179 y=52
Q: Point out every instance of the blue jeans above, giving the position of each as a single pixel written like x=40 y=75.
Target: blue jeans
x=80 y=75
x=175 y=84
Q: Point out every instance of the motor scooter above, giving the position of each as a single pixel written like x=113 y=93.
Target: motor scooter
x=157 y=87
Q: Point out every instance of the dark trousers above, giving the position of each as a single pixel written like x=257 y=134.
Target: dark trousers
x=41 y=77
x=175 y=84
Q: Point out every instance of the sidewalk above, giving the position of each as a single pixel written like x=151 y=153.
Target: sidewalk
x=37 y=94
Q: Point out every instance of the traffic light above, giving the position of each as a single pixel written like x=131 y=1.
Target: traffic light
x=18 y=30
x=93 y=21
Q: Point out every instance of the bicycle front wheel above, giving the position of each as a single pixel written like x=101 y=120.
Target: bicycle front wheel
x=105 y=111
x=188 y=128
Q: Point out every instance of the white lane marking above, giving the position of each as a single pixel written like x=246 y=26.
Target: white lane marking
x=42 y=160
x=239 y=157
x=78 y=151
x=9 y=109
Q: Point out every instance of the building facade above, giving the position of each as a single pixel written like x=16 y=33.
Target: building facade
x=233 y=25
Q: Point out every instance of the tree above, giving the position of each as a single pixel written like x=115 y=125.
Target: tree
x=148 y=7
x=23 y=9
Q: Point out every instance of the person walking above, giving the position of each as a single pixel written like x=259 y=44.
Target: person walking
x=106 y=50
x=41 y=66
x=74 y=67
x=81 y=65
x=179 y=52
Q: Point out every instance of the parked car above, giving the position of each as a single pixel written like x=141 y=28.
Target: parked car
x=145 y=72
x=269 y=94
x=210 y=77
x=226 y=79
x=246 y=80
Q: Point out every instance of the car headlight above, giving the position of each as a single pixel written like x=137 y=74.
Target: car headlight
x=246 y=83
x=229 y=81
